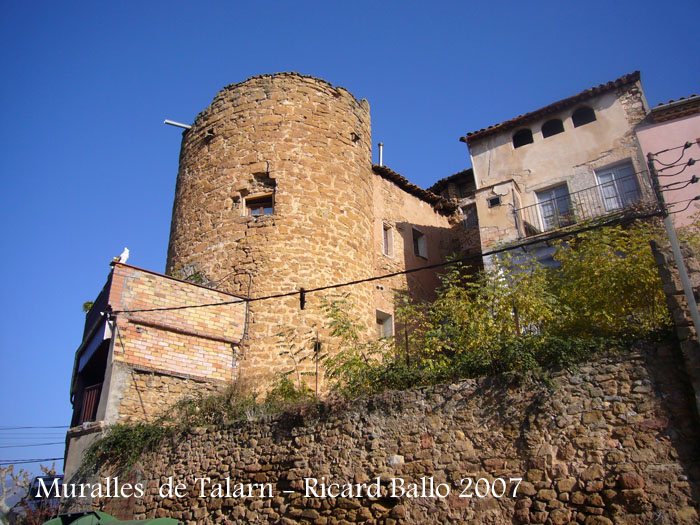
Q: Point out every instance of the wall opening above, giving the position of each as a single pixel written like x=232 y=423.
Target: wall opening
x=552 y=127
x=583 y=115
x=522 y=137
x=420 y=244
x=387 y=240
x=385 y=324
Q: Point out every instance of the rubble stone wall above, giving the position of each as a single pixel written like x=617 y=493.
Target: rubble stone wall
x=611 y=441
x=308 y=145
x=678 y=305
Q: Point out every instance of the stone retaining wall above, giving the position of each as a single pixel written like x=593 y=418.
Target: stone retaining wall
x=614 y=441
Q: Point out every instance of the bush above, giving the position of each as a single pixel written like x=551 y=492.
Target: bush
x=517 y=317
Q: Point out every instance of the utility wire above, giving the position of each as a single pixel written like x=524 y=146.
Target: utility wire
x=688 y=182
x=685 y=165
x=25 y=461
x=689 y=201
x=669 y=164
x=686 y=145
x=617 y=220
x=33 y=445
x=23 y=428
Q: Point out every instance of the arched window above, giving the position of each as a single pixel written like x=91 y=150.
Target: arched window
x=552 y=127
x=522 y=137
x=583 y=115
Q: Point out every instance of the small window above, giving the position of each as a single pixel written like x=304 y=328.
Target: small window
x=385 y=324
x=387 y=240
x=470 y=218
x=259 y=205
x=583 y=115
x=552 y=127
x=522 y=137
x=494 y=201
x=420 y=245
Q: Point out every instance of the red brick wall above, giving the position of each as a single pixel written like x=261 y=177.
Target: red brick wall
x=194 y=342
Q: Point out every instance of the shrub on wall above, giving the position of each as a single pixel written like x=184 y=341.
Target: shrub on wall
x=518 y=316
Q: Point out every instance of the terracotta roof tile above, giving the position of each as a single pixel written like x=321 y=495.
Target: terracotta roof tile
x=438 y=203
x=552 y=108
x=440 y=185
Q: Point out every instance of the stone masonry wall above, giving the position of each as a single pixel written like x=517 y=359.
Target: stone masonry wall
x=612 y=441
x=309 y=145
x=147 y=395
x=678 y=305
x=401 y=212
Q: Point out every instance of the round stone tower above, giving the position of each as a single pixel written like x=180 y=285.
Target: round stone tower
x=273 y=195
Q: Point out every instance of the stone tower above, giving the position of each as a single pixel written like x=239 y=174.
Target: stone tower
x=274 y=194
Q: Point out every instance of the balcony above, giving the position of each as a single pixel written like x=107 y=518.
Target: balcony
x=557 y=208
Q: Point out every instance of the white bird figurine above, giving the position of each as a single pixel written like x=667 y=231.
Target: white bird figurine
x=123 y=257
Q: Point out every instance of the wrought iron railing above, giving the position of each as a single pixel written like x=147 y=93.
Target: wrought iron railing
x=561 y=211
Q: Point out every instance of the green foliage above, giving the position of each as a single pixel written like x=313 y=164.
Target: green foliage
x=123 y=443
x=224 y=408
x=351 y=368
x=608 y=284
x=87 y=305
x=517 y=317
x=285 y=392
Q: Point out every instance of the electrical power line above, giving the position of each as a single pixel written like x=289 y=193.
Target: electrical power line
x=25 y=461
x=33 y=445
x=669 y=164
x=301 y=293
x=686 y=165
x=23 y=428
x=668 y=187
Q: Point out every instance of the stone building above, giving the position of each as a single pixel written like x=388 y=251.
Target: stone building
x=277 y=201
x=276 y=193
x=573 y=160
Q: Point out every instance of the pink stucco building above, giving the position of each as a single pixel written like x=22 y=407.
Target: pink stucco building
x=667 y=127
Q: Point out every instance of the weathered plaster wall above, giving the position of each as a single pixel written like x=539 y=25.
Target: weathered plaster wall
x=571 y=157
x=612 y=441
x=671 y=134
x=403 y=212
x=310 y=144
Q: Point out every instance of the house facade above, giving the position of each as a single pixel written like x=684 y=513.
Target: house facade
x=573 y=160
x=671 y=133
x=140 y=353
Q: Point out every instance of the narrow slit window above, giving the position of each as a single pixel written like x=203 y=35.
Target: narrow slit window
x=420 y=244
x=385 y=324
x=387 y=240
x=262 y=205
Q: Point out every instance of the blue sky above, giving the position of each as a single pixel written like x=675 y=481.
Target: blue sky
x=87 y=166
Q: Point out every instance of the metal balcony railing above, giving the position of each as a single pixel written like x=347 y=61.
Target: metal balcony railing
x=609 y=197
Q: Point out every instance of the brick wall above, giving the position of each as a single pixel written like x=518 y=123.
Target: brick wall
x=198 y=342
